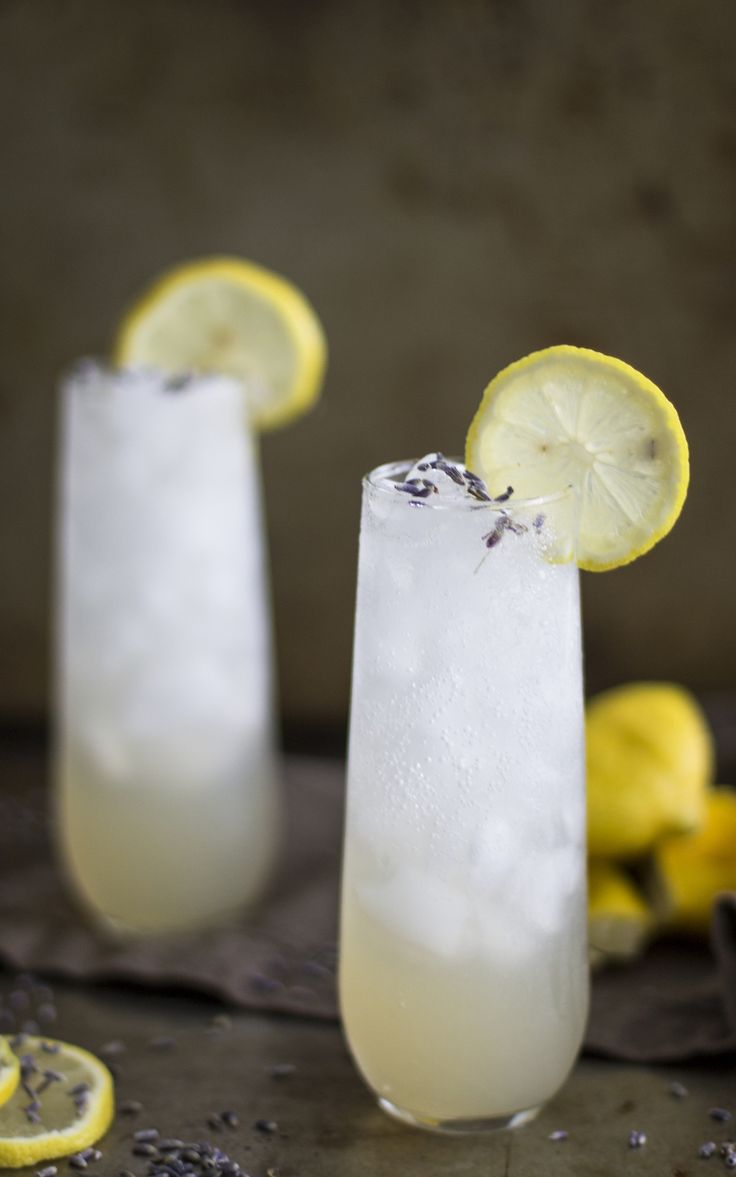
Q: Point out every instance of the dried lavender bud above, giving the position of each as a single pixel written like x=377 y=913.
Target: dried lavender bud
x=677 y=1090
x=707 y=1150
x=215 y=1121
x=558 y=1134
x=267 y=1126
x=112 y=1049
x=265 y=984
x=162 y=1042
x=77 y=1161
x=230 y=1119
x=637 y=1139
x=50 y=1047
x=730 y=1160
x=131 y=1107
x=719 y=1114
x=448 y=469
x=503 y=498
x=144 y=1149
x=170 y=1144
x=79 y=1089
x=146 y=1135
x=48 y=1171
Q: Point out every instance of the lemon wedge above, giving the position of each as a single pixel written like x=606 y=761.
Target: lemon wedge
x=230 y=315
x=568 y=416
x=66 y=1113
x=9 y=1071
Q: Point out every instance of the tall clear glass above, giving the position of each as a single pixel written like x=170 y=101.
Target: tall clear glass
x=168 y=810
x=463 y=970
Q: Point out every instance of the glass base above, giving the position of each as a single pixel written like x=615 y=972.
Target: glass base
x=460 y=1127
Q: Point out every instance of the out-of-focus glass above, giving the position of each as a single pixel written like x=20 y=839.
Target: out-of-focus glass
x=167 y=802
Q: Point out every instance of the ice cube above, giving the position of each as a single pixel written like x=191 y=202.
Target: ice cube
x=420 y=908
x=494 y=850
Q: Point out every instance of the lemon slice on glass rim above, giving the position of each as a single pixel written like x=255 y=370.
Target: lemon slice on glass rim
x=9 y=1070
x=568 y=416
x=64 y=1105
x=231 y=316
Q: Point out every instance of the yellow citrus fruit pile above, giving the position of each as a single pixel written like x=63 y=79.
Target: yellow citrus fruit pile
x=661 y=834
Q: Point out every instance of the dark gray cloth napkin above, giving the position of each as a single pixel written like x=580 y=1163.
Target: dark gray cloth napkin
x=677 y=1001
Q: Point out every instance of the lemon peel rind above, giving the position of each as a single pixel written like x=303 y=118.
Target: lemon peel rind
x=18 y=1153
x=297 y=314
x=9 y=1071
x=670 y=421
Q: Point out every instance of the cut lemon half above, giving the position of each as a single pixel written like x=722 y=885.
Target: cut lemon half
x=9 y=1071
x=64 y=1105
x=231 y=316
x=568 y=416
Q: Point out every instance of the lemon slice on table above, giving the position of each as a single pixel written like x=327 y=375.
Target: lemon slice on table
x=72 y=1104
x=568 y=416
x=232 y=316
x=9 y=1071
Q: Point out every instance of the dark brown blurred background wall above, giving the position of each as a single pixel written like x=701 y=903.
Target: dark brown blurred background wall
x=453 y=184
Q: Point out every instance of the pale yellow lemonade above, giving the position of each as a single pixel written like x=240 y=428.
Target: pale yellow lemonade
x=463 y=979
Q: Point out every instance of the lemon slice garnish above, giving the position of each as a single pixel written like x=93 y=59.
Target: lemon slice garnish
x=232 y=316
x=9 y=1071
x=72 y=1112
x=568 y=416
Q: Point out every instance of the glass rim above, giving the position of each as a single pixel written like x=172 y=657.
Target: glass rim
x=374 y=482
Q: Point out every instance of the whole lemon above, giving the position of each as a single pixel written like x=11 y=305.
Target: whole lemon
x=650 y=760
x=619 y=919
x=693 y=868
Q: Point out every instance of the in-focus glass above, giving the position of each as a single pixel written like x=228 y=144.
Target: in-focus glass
x=463 y=970
x=167 y=807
